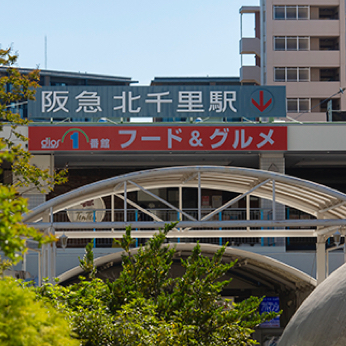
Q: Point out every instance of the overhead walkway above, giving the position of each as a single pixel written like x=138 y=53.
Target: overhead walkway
x=326 y=205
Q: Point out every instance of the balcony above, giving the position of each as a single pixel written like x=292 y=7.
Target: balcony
x=306 y=58
x=309 y=116
x=250 y=74
x=250 y=45
x=314 y=27
x=311 y=89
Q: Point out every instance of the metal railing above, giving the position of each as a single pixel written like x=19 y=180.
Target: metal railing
x=169 y=215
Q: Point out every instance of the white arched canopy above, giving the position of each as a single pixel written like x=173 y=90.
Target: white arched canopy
x=326 y=205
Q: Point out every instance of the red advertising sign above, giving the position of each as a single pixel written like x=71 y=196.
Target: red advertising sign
x=153 y=138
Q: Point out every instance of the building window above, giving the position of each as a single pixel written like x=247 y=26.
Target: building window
x=279 y=12
x=303 y=74
x=280 y=74
x=291 y=12
x=279 y=43
x=304 y=105
x=292 y=105
x=303 y=43
x=291 y=43
x=291 y=74
x=297 y=105
x=303 y=12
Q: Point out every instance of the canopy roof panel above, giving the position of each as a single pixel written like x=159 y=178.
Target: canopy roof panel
x=318 y=200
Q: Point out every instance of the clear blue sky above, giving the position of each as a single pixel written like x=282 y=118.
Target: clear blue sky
x=141 y=39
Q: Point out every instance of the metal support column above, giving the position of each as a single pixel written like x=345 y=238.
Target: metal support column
x=180 y=202
x=274 y=203
x=52 y=273
x=112 y=211
x=39 y=268
x=199 y=197
x=52 y=250
x=180 y=216
x=48 y=258
x=248 y=210
x=125 y=201
x=320 y=259
x=44 y=257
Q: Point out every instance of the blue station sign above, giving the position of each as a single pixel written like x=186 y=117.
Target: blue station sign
x=158 y=102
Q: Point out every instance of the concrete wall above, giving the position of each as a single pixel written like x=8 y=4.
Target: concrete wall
x=316 y=137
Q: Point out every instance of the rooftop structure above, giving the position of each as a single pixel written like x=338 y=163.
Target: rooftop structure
x=195 y=81
x=64 y=78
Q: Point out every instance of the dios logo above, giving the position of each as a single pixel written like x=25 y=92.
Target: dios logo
x=48 y=143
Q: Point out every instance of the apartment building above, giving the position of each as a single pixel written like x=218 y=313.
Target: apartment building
x=299 y=44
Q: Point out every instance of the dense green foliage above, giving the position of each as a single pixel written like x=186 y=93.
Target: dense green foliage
x=16 y=88
x=24 y=321
x=27 y=322
x=146 y=306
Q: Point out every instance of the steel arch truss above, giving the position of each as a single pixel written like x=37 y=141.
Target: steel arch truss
x=326 y=205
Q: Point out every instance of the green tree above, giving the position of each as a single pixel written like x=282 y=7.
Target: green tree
x=146 y=306
x=87 y=305
x=24 y=321
x=87 y=263
x=16 y=88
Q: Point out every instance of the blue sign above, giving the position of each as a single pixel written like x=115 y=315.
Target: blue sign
x=270 y=304
x=158 y=101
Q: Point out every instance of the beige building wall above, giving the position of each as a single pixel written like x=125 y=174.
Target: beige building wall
x=325 y=68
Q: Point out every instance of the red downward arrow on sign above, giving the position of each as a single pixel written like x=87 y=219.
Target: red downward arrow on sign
x=261 y=107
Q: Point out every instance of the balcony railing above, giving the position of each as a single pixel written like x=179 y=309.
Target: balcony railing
x=169 y=215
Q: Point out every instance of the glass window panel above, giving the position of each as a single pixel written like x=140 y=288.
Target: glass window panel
x=304 y=105
x=291 y=43
x=279 y=12
x=279 y=43
x=292 y=74
x=292 y=105
x=279 y=74
x=303 y=12
x=291 y=12
x=304 y=74
x=303 y=43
